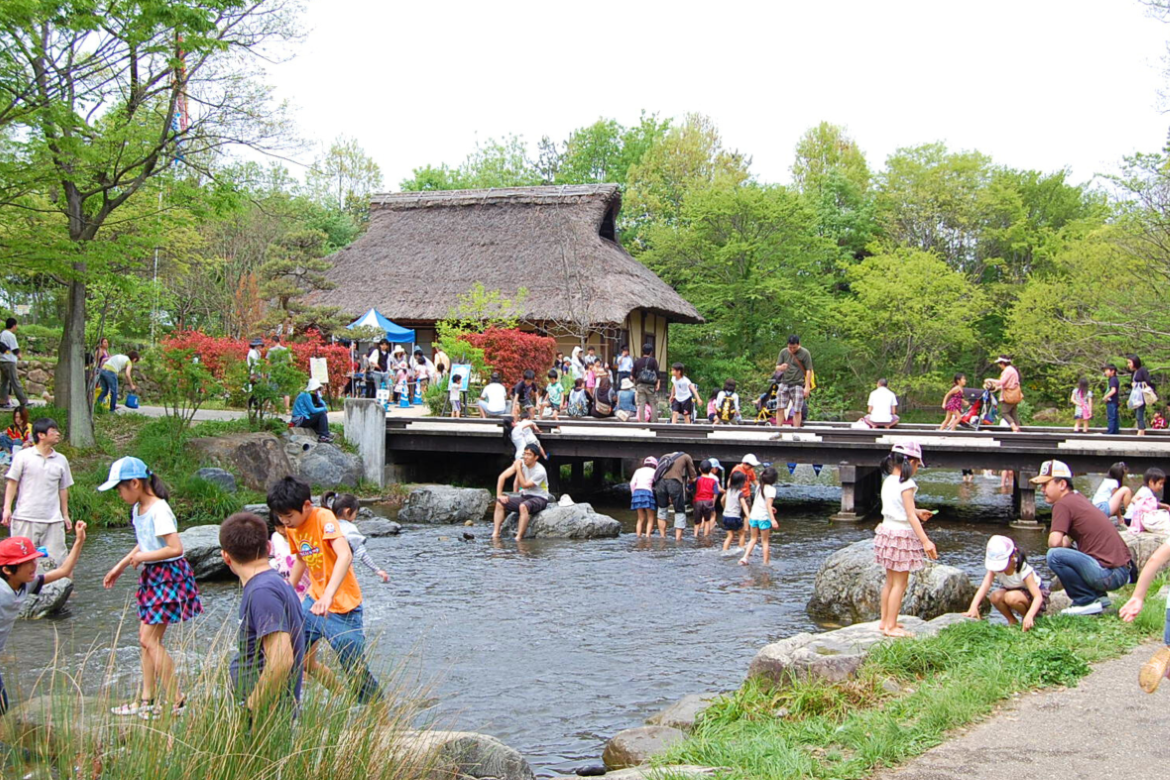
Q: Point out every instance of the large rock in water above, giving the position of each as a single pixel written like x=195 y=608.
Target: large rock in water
x=201 y=547
x=443 y=504
x=461 y=754
x=576 y=521
x=372 y=529
x=1142 y=546
x=634 y=747
x=49 y=601
x=321 y=464
x=684 y=713
x=848 y=588
x=258 y=458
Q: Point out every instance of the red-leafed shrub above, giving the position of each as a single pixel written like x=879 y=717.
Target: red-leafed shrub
x=336 y=358
x=512 y=352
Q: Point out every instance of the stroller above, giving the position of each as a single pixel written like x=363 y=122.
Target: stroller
x=984 y=409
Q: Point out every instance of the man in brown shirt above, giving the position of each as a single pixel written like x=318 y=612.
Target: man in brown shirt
x=671 y=488
x=1100 y=563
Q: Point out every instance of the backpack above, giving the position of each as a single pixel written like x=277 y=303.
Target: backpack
x=726 y=410
x=647 y=375
x=664 y=464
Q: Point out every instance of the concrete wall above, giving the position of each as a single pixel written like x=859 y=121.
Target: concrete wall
x=365 y=428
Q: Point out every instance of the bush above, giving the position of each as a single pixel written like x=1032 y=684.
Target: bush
x=512 y=352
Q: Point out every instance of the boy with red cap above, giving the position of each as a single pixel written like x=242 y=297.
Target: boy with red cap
x=19 y=578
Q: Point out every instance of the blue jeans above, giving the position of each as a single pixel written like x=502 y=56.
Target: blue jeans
x=1140 y=414
x=1113 y=413
x=108 y=382
x=1083 y=578
x=345 y=635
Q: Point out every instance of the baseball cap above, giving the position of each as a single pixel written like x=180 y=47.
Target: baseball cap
x=911 y=449
x=751 y=460
x=715 y=464
x=16 y=550
x=1052 y=469
x=256 y=343
x=123 y=469
x=999 y=552
x=650 y=461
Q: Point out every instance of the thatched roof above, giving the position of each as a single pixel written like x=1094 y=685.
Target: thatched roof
x=423 y=250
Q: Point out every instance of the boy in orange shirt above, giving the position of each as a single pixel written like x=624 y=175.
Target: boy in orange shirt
x=333 y=608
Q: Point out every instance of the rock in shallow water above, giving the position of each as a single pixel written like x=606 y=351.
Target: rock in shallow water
x=50 y=600
x=462 y=754
x=321 y=464
x=576 y=521
x=685 y=712
x=201 y=546
x=634 y=747
x=371 y=529
x=848 y=588
x=445 y=505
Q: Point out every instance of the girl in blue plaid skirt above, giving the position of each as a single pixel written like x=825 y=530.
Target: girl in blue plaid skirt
x=167 y=592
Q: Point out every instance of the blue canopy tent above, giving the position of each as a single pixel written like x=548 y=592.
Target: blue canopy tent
x=394 y=333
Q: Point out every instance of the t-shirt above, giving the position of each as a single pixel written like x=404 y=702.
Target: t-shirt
x=118 y=363
x=10 y=601
x=706 y=488
x=455 y=393
x=732 y=505
x=538 y=475
x=893 y=507
x=523 y=435
x=150 y=528
x=644 y=363
x=682 y=469
x=643 y=479
x=683 y=388
x=555 y=392
x=883 y=401
x=1088 y=526
x=40 y=480
x=253 y=357
x=1013 y=581
x=625 y=363
x=311 y=541
x=8 y=338
x=764 y=498
x=496 y=397
x=750 y=472
x=1105 y=490
x=268 y=606
x=1114 y=385
x=794 y=374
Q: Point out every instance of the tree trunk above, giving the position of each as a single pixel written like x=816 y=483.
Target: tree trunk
x=69 y=378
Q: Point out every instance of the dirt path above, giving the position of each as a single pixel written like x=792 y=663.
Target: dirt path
x=1104 y=728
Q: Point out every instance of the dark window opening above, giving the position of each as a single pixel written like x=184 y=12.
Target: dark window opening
x=608 y=224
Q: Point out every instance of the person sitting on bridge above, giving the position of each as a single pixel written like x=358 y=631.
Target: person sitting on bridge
x=532 y=480
x=883 y=407
x=493 y=400
x=1101 y=561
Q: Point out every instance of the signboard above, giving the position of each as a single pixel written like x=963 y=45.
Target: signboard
x=319 y=370
x=383 y=395
x=463 y=371
x=22 y=309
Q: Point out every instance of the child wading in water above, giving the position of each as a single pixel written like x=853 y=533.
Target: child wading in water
x=642 y=496
x=735 y=509
x=1021 y=591
x=900 y=545
x=345 y=506
x=953 y=403
x=167 y=592
x=1082 y=401
x=762 y=516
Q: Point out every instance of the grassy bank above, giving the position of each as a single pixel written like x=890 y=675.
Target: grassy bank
x=906 y=698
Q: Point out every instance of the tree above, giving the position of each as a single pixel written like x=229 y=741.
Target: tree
x=295 y=268
x=344 y=177
x=105 y=103
x=825 y=150
x=832 y=173
x=496 y=163
x=604 y=151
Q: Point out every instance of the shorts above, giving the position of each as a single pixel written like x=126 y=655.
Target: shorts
x=667 y=492
x=1045 y=593
x=1105 y=508
x=793 y=394
x=167 y=593
x=704 y=511
x=686 y=407
x=732 y=523
x=457 y=406
x=643 y=499
x=760 y=524
x=535 y=504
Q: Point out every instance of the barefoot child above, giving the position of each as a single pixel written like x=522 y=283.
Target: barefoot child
x=900 y=545
x=735 y=509
x=1156 y=668
x=706 y=492
x=333 y=608
x=1021 y=591
x=1082 y=401
x=455 y=395
x=345 y=506
x=554 y=396
x=167 y=592
x=19 y=579
x=642 y=496
x=953 y=403
x=762 y=517
x=1113 y=496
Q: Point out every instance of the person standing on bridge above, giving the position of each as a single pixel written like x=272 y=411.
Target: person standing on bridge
x=1140 y=380
x=647 y=383
x=1101 y=561
x=1112 y=400
x=1010 y=392
x=795 y=366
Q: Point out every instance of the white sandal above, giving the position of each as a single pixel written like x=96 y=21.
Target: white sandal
x=134 y=707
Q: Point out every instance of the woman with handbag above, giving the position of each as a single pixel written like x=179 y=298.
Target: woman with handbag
x=1144 y=387
x=1010 y=392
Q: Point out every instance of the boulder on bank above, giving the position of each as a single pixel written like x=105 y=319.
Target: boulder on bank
x=684 y=713
x=219 y=477
x=848 y=588
x=1142 y=546
x=445 y=505
x=201 y=547
x=462 y=754
x=833 y=656
x=49 y=601
x=319 y=463
x=258 y=458
x=55 y=720
x=576 y=521
x=634 y=747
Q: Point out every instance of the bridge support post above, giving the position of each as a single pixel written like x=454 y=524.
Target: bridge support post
x=365 y=429
x=1024 y=502
x=554 y=478
x=860 y=488
x=597 y=476
x=577 y=475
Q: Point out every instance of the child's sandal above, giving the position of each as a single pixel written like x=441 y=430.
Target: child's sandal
x=133 y=708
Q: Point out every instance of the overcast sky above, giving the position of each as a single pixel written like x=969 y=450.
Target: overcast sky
x=1033 y=83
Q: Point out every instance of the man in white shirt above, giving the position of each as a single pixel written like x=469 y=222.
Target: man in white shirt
x=9 y=377
x=493 y=401
x=39 y=480
x=883 y=407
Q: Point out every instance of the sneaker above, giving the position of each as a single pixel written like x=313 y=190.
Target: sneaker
x=1092 y=608
x=1154 y=670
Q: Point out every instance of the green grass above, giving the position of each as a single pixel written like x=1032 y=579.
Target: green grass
x=905 y=699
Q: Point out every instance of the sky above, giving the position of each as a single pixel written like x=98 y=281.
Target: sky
x=1033 y=83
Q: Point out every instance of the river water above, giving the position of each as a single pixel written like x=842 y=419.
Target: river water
x=553 y=646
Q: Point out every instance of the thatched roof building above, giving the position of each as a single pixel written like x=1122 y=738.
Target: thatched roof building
x=423 y=250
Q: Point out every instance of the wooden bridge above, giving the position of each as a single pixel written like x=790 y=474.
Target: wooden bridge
x=407 y=449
